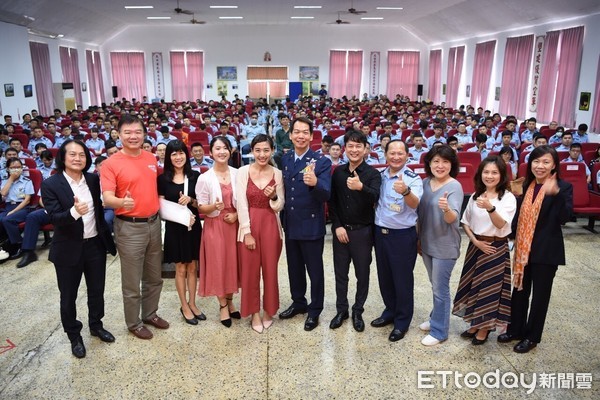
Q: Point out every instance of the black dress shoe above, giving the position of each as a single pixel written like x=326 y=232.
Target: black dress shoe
x=46 y=243
x=381 y=322
x=311 y=323
x=477 y=342
x=200 y=317
x=29 y=256
x=507 y=337
x=396 y=335
x=77 y=348
x=524 y=346
x=191 y=321
x=358 y=322
x=468 y=335
x=16 y=253
x=103 y=334
x=338 y=320
x=291 y=312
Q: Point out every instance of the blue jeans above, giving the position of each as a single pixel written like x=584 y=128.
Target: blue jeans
x=439 y=271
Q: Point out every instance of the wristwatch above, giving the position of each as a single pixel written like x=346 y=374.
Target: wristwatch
x=407 y=192
x=491 y=210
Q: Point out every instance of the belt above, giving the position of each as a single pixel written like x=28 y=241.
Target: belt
x=491 y=238
x=355 y=227
x=151 y=218
x=85 y=240
x=387 y=231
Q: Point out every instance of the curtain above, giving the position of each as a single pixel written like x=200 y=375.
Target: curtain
x=42 y=76
x=515 y=75
x=354 y=73
x=69 y=62
x=569 y=65
x=257 y=89
x=455 y=65
x=178 y=77
x=129 y=74
x=403 y=73
x=482 y=73
x=95 y=82
x=278 y=88
x=548 y=77
x=337 y=73
x=195 y=73
x=435 y=76
x=596 y=110
x=267 y=73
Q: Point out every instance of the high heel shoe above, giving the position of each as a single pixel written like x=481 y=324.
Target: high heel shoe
x=191 y=321
x=225 y=322
x=477 y=342
x=199 y=317
x=234 y=314
x=259 y=328
x=267 y=324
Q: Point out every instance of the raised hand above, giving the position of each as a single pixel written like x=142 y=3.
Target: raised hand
x=354 y=183
x=443 y=203
x=550 y=186
x=81 y=207
x=483 y=202
x=219 y=205
x=184 y=200
x=270 y=192
x=128 y=202
x=400 y=186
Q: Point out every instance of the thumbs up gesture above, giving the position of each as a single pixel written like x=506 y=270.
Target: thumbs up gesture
x=400 y=186
x=184 y=200
x=219 y=205
x=128 y=202
x=353 y=182
x=81 y=207
x=270 y=192
x=443 y=203
x=483 y=202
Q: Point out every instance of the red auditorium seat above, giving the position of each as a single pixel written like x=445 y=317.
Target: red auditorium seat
x=466 y=173
x=585 y=202
x=470 y=157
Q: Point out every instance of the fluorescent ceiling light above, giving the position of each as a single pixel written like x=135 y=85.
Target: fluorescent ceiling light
x=231 y=17
x=137 y=7
x=302 y=17
x=390 y=8
x=223 y=6
x=158 y=17
x=308 y=6
x=371 y=18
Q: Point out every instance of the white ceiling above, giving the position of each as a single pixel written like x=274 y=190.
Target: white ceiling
x=434 y=21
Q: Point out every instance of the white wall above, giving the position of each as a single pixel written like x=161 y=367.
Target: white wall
x=589 y=62
x=240 y=46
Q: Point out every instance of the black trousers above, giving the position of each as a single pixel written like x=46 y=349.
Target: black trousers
x=306 y=256
x=358 y=250
x=92 y=265
x=540 y=276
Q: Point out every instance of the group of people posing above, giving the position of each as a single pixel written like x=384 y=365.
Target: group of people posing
x=251 y=212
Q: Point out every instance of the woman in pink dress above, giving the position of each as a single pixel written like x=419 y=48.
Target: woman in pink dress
x=216 y=195
x=260 y=198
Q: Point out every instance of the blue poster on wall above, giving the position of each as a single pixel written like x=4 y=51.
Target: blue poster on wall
x=295 y=90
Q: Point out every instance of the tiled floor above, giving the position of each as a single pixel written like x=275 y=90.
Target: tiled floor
x=211 y=362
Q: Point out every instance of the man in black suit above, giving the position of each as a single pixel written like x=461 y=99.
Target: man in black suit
x=81 y=240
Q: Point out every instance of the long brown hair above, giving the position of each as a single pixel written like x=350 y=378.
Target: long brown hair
x=502 y=186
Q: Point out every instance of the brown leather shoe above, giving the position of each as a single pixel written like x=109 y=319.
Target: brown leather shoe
x=142 y=332
x=157 y=322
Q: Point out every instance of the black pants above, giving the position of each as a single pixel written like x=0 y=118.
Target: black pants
x=358 y=250
x=92 y=265
x=306 y=256
x=541 y=277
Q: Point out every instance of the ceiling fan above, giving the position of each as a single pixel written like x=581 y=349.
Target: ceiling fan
x=353 y=10
x=179 y=10
x=194 y=21
x=339 y=21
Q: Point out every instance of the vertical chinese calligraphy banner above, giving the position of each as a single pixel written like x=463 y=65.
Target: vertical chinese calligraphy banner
x=374 y=62
x=537 y=69
x=157 y=71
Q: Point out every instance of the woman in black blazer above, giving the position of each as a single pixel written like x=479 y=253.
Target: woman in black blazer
x=547 y=204
x=81 y=240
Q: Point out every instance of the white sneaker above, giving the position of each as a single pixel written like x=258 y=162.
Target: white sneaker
x=425 y=326
x=429 y=341
x=3 y=255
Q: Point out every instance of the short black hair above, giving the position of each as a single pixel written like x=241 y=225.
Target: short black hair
x=327 y=139
x=447 y=153
x=355 y=136
x=62 y=151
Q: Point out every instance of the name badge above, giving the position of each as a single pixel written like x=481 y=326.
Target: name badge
x=396 y=207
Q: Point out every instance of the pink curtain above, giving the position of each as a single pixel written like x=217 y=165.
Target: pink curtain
x=596 y=99
x=178 y=78
x=69 y=62
x=278 y=88
x=435 y=76
x=455 y=65
x=482 y=73
x=95 y=82
x=257 y=89
x=337 y=73
x=548 y=77
x=569 y=65
x=403 y=73
x=129 y=74
x=354 y=73
x=515 y=75
x=195 y=74
x=42 y=76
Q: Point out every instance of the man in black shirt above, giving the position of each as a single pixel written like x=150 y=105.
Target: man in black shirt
x=354 y=193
